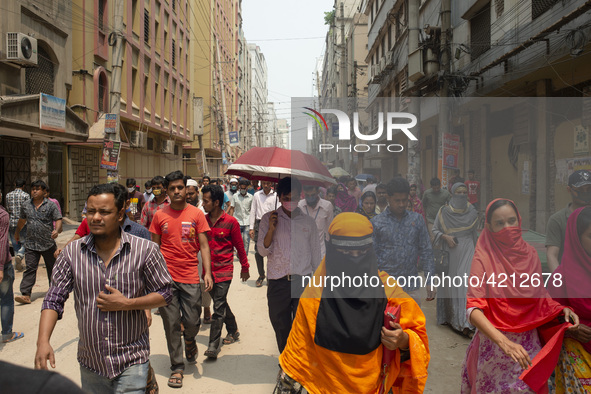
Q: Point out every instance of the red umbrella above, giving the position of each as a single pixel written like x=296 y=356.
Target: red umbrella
x=272 y=164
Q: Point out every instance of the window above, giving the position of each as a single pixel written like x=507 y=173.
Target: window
x=480 y=32
x=101 y=14
x=173 y=5
x=146 y=26
x=538 y=7
x=173 y=53
x=103 y=101
x=40 y=79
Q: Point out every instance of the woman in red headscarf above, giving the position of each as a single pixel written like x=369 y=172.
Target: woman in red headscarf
x=572 y=288
x=513 y=321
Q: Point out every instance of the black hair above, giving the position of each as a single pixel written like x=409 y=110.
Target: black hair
x=205 y=177
x=288 y=185
x=381 y=186
x=413 y=185
x=310 y=187
x=117 y=190
x=344 y=179
x=332 y=190
x=244 y=182
x=130 y=181
x=216 y=192
x=367 y=195
x=496 y=205
x=186 y=178
x=158 y=180
x=397 y=185
x=20 y=182
x=435 y=182
x=39 y=183
x=123 y=190
x=175 y=176
x=457 y=171
x=371 y=179
x=583 y=221
x=471 y=171
x=148 y=184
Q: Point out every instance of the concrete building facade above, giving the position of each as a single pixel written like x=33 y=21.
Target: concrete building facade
x=259 y=94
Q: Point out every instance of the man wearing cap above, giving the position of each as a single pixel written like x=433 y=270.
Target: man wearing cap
x=579 y=187
x=230 y=194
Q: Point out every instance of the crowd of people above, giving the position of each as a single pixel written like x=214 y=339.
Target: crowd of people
x=173 y=246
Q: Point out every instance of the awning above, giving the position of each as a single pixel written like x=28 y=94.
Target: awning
x=21 y=116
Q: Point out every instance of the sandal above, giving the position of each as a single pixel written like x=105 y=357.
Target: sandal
x=151 y=384
x=15 y=336
x=260 y=281
x=231 y=338
x=190 y=349
x=207 y=320
x=174 y=381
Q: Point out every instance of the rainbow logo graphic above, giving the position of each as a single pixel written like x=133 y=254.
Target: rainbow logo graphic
x=316 y=118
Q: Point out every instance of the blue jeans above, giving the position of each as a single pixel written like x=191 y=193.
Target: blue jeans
x=132 y=380
x=245 y=236
x=7 y=301
x=18 y=247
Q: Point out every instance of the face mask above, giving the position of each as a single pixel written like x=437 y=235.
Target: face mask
x=459 y=201
x=148 y=191
x=290 y=205
x=312 y=200
x=157 y=192
x=585 y=197
x=243 y=192
x=233 y=188
x=131 y=189
x=508 y=236
x=356 y=259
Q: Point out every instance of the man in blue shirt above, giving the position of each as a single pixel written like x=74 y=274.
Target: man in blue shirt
x=400 y=237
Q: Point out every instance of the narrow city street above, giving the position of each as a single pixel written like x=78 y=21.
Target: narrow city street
x=250 y=365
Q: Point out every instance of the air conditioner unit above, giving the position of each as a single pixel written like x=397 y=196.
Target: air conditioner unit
x=167 y=147
x=137 y=139
x=21 y=49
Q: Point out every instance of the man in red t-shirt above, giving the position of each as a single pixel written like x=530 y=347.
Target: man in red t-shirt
x=181 y=231
x=225 y=236
x=473 y=190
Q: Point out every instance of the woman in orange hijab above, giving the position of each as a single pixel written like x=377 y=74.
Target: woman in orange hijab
x=513 y=320
x=337 y=339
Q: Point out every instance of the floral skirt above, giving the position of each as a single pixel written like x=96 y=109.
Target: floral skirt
x=573 y=372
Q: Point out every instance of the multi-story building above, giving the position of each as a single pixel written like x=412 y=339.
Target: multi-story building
x=243 y=112
x=282 y=136
x=216 y=25
x=259 y=94
x=36 y=121
x=269 y=137
x=155 y=80
x=482 y=50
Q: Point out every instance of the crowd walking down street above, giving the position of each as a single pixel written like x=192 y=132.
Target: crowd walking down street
x=308 y=330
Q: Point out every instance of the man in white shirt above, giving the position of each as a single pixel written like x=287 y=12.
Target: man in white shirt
x=230 y=194
x=318 y=209
x=240 y=207
x=258 y=209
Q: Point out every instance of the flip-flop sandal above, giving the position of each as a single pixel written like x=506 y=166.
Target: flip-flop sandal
x=15 y=336
x=190 y=349
x=174 y=381
x=231 y=338
x=260 y=282
x=207 y=320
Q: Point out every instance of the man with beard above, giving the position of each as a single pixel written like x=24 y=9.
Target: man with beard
x=318 y=209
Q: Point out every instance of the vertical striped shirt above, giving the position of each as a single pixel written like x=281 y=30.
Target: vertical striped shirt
x=110 y=342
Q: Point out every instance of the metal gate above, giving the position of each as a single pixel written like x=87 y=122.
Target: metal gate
x=55 y=172
x=15 y=162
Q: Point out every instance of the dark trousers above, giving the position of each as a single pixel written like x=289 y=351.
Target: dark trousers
x=185 y=308
x=32 y=258
x=221 y=313
x=258 y=258
x=282 y=309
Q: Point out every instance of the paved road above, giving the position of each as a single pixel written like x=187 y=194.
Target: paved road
x=249 y=365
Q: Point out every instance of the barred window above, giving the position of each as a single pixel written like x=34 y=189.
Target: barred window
x=40 y=79
x=538 y=7
x=103 y=102
x=101 y=14
x=173 y=53
x=480 y=32
x=146 y=26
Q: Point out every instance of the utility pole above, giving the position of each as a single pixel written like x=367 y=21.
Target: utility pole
x=414 y=155
x=225 y=137
x=343 y=75
x=443 y=124
x=115 y=99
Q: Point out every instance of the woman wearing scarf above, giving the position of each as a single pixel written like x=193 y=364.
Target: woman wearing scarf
x=513 y=322
x=337 y=340
x=573 y=374
x=368 y=205
x=415 y=201
x=343 y=200
x=456 y=222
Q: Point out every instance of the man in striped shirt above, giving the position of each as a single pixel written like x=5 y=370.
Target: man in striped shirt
x=225 y=236
x=115 y=277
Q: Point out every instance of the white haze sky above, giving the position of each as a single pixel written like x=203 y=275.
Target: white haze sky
x=291 y=35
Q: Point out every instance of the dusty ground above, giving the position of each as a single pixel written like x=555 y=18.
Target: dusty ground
x=249 y=365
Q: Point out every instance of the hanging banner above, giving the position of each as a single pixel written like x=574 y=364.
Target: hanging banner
x=451 y=150
x=112 y=176
x=52 y=113
x=110 y=123
x=110 y=158
x=234 y=138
